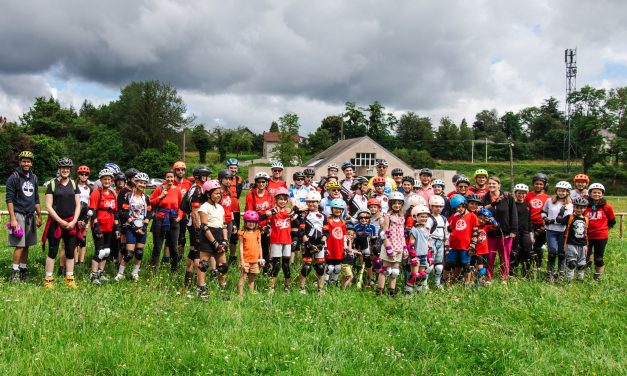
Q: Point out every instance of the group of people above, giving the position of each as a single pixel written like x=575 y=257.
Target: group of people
x=353 y=231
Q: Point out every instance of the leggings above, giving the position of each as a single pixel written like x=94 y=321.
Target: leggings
x=265 y=250
x=555 y=240
x=539 y=241
x=503 y=246
x=596 y=247
x=521 y=253
x=53 y=243
x=171 y=240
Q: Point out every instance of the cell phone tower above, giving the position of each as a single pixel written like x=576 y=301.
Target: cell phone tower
x=570 y=58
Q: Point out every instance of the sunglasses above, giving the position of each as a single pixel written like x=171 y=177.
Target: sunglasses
x=309 y=176
x=277 y=170
x=379 y=185
x=83 y=174
x=299 y=179
x=333 y=190
x=262 y=181
x=397 y=174
x=360 y=218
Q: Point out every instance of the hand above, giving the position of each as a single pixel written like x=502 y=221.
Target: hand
x=39 y=220
x=472 y=250
x=562 y=211
x=14 y=224
x=71 y=225
x=305 y=238
x=512 y=235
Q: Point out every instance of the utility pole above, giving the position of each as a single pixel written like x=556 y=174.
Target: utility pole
x=486 y=150
x=511 y=165
x=570 y=58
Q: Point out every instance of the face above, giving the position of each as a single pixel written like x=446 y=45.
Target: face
x=106 y=181
x=180 y=173
x=337 y=212
x=203 y=179
x=425 y=179
x=261 y=184
x=334 y=193
x=473 y=206
x=276 y=173
x=348 y=172
x=493 y=185
x=436 y=209
x=225 y=182
x=462 y=188
x=233 y=169
x=407 y=186
x=83 y=176
x=299 y=181
x=308 y=179
x=365 y=188
x=460 y=209
x=437 y=189
x=396 y=205
x=596 y=194
x=64 y=172
x=421 y=218
x=332 y=171
x=379 y=188
x=374 y=209
x=312 y=205
x=351 y=234
x=561 y=193
x=481 y=180
x=281 y=201
x=382 y=170
x=483 y=219
x=169 y=178
x=26 y=164
x=140 y=184
x=364 y=218
x=580 y=184
x=215 y=195
x=251 y=225
x=538 y=186
x=398 y=178
x=120 y=183
x=520 y=195
x=578 y=210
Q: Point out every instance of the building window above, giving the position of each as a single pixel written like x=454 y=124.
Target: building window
x=364 y=159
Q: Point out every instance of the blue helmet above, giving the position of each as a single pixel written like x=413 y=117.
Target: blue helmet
x=232 y=162
x=457 y=200
x=113 y=167
x=485 y=212
x=338 y=203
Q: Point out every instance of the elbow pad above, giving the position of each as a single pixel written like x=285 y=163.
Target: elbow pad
x=90 y=213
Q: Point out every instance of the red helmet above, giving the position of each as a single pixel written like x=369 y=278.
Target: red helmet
x=374 y=201
x=84 y=169
x=378 y=180
x=281 y=191
x=583 y=177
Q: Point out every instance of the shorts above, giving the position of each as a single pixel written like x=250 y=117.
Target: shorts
x=422 y=260
x=205 y=246
x=458 y=257
x=280 y=250
x=134 y=238
x=438 y=251
x=479 y=260
x=576 y=253
x=250 y=268
x=28 y=223
x=347 y=270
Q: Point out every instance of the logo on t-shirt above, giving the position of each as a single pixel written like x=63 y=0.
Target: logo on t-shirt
x=482 y=236
x=28 y=188
x=460 y=225
x=536 y=203
x=337 y=233
x=226 y=200
x=283 y=223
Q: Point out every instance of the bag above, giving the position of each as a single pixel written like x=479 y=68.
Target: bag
x=186 y=202
x=53 y=185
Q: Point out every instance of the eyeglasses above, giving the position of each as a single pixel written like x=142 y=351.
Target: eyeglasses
x=462 y=186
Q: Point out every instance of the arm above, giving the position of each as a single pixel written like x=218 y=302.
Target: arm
x=513 y=217
x=241 y=251
x=157 y=195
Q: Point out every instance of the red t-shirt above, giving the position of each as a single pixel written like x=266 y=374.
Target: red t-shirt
x=281 y=227
x=260 y=204
x=233 y=190
x=335 y=242
x=536 y=203
x=227 y=204
x=461 y=230
x=105 y=202
x=171 y=200
x=482 y=240
x=184 y=184
x=479 y=191
x=274 y=185
x=597 y=225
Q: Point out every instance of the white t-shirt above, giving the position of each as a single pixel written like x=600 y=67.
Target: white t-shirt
x=215 y=213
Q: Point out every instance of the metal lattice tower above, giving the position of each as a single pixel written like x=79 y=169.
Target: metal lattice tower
x=570 y=58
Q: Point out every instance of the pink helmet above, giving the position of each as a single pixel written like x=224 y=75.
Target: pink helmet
x=210 y=185
x=281 y=191
x=251 y=216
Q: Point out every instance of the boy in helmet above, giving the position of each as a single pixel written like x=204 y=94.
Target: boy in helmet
x=438 y=190
x=463 y=227
x=521 y=246
x=336 y=241
x=439 y=235
x=314 y=232
x=536 y=199
x=419 y=248
x=576 y=238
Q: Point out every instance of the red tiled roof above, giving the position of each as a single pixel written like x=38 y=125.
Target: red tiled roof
x=274 y=137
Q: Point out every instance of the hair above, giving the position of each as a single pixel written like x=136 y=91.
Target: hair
x=169 y=171
x=567 y=199
x=256 y=226
x=495 y=178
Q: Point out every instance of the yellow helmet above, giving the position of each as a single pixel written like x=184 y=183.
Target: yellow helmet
x=332 y=184
x=27 y=154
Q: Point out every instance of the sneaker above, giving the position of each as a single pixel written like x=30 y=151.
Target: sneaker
x=271 y=291
x=188 y=278
x=119 y=277
x=24 y=276
x=597 y=277
x=165 y=260
x=504 y=282
x=70 y=282
x=102 y=276
x=94 y=278
x=201 y=291
x=303 y=291
x=286 y=289
x=135 y=276
x=49 y=282
x=487 y=283
x=14 y=276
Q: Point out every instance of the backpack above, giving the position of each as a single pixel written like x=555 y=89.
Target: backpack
x=53 y=185
x=186 y=202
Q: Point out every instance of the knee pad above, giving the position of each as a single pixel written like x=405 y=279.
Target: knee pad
x=306 y=269
x=107 y=252
x=377 y=263
x=101 y=254
x=127 y=256
x=598 y=262
x=329 y=269
x=223 y=268
x=385 y=270
x=139 y=254
x=319 y=267
x=394 y=272
x=450 y=265
x=468 y=268
x=367 y=262
x=203 y=266
x=571 y=264
x=285 y=266
x=480 y=272
x=439 y=268
x=337 y=269
x=276 y=266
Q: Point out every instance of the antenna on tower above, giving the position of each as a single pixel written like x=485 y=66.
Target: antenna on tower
x=570 y=59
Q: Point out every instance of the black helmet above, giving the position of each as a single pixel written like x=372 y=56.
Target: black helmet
x=225 y=174
x=359 y=180
x=64 y=162
x=462 y=179
x=120 y=176
x=580 y=201
x=347 y=164
x=130 y=173
x=298 y=174
x=397 y=171
x=200 y=171
x=473 y=197
x=426 y=171
x=409 y=179
x=455 y=177
x=309 y=171
x=541 y=177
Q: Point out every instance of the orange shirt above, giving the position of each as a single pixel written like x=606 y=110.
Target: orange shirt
x=251 y=245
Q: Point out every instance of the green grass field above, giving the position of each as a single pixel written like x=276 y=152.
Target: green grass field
x=155 y=326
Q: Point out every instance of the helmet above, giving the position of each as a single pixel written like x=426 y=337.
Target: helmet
x=120 y=176
x=350 y=226
x=262 y=175
x=281 y=191
x=473 y=197
x=542 y=177
x=105 y=172
x=397 y=171
x=309 y=172
x=277 y=165
x=480 y=172
x=438 y=182
x=200 y=171
x=362 y=211
x=583 y=177
x=298 y=174
x=210 y=185
x=313 y=196
x=142 y=176
x=382 y=162
x=338 y=203
x=457 y=200
x=417 y=183
x=112 y=166
x=179 y=164
x=373 y=201
x=27 y=154
x=436 y=200
x=359 y=180
x=333 y=165
x=415 y=200
x=485 y=212
x=580 y=201
x=521 y=187
x=347 y=164
x=426 y=171
x=130 y=173
x=64 y=162
x=564 y=185
x=251 y=216
x=232 y=162
x=462 y=179
x=596 y=186
x=225 y=174
x=378 y=180
x=420 y=209
x=455 y=177
x=83 y=169
x=409 y=179
x=396 y=196
x=332 y=185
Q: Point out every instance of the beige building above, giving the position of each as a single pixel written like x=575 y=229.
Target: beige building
x=270 y=141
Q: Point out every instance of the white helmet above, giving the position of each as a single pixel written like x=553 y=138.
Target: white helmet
x=415 y=200
x=141 y=176
x=436 y=200
x=313 y=196
x=382 y=162
x=262 y=175
x=106 y=172
x=277 y=164
x=596 y=186
x=564 y=185
x=417 y=183
x=521 y=187
x=438 y=182
x=333 y=165
x=420 y=209
x=396 y=196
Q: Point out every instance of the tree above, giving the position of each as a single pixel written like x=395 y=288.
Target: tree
x=415 y=158
x=587 y=120
x=104 y=145
x=333 y=124
x=355 y=124
x=201 y=141
x=240 y=141
x=319 y=140
x=47 y=151
x=446 y=140
x=415 y=131
x=221 y=139
x=616 y=107
x=286 y=149
x=47 y=117
x=378 y=128
x=155 y=162
x=274 y=127
x=486 y=124
x=13 y=140
x=511 y=126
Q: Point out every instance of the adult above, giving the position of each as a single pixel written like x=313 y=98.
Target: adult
x=382 y=170
x=426 y=190
x=481 y=179
x=105 y=228
x=276 y=181
x=310 y=174
x=260 y=200
x=397 y=176
x=503 y=208
x=83 y=186
x=63 y=202
x=298 y=191
x=166 y=200
x=461 y=187
x=349 y=175
x=184 y=184
x=196 y=199
x=22 y=200
x=235 y=189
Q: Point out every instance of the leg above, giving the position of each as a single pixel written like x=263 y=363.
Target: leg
x=157 y=242
x=493 y=247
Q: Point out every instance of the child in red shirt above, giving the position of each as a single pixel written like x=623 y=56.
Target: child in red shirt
x=280 y=221
x=536 y=200
x=464 y=232
x=601 y=219
x=480 y=257
x=336 y=241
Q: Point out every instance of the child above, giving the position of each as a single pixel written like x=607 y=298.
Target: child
x=364 y=233
x=393 y=242
x=379 y=193
x=376 y=219
x=536 y=200
x=249 y=251
x=480 y=258
x=576 y=238
x=280 y=238
x=333 y=193
x=438 y=190
x=439 y=236
x=561 y=202
x=419 y=245
x=581 y=182
x=359 y=195
x=336 y=241
x=350 y=252
x=602 y=219
x=521 y=247
x=473 y=201
x=464 y=229
x=314 y=231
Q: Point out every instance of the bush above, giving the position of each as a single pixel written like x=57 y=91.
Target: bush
x=155 y=162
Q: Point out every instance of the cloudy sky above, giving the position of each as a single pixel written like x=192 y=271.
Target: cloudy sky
x=249 y=62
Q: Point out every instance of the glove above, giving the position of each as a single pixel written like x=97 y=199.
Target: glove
x=97 y=231
x=562 y=211
x=472 y=250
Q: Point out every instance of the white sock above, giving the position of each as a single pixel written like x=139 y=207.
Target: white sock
x=135 y=269
x=48 y=274
x=16 y=266
x=69 y=273
x=23 y=266
x=121 y=270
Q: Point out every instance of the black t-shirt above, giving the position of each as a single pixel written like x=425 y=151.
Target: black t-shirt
x=63 y=198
